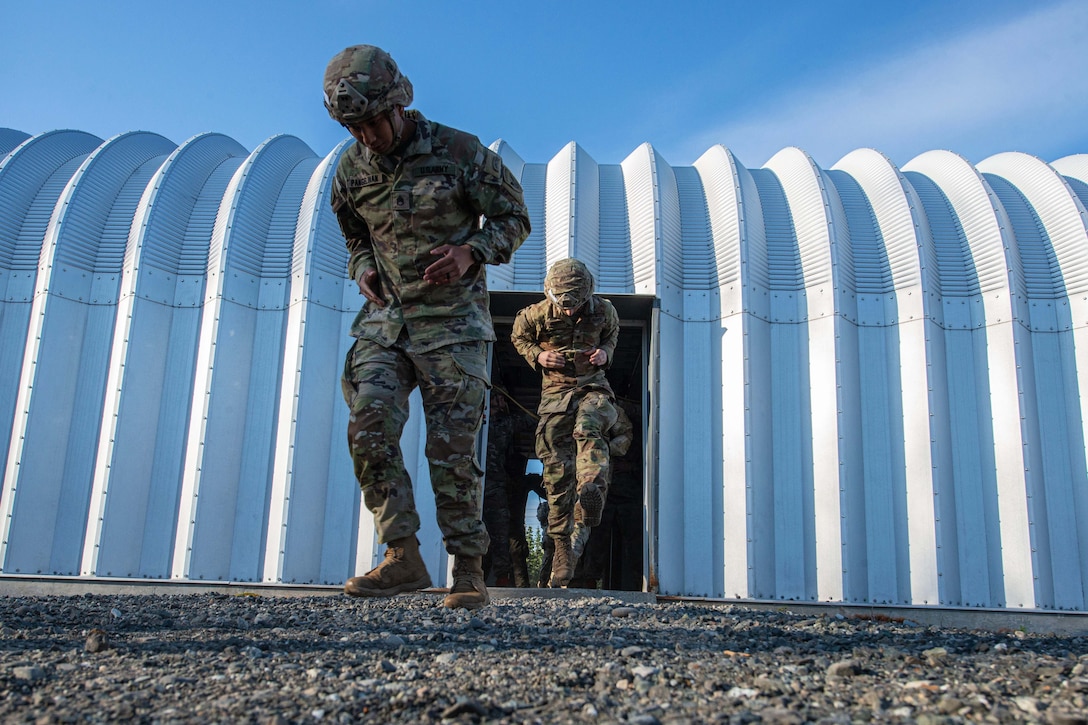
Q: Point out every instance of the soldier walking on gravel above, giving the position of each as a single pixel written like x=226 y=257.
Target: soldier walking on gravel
x=570 y=337
x=409 y=196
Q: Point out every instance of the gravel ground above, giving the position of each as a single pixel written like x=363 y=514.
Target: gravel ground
x=270 y=659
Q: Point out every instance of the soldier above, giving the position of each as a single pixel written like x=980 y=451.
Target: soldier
x=409 y=196
x=500 y=438
x=571 y=337
x=518 y=486
x=547 y=545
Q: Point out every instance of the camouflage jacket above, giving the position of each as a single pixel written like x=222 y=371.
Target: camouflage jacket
x=393 y=212
x=543 y=326
x=503 y=459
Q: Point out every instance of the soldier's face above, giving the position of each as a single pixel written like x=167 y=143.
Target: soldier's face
x=376 y=134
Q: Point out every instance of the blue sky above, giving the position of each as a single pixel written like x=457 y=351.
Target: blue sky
x=977 y=78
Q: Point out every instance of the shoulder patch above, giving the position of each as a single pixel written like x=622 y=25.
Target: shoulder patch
x=511 y=184
x=492 y=166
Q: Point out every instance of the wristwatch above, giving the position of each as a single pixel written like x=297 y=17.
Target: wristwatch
x=477 y=255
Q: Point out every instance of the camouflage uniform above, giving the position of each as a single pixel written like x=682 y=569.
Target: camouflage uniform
x=577 y=404
x=506 y=490
x=547 y=546
x=497 y=513
x=394 y=210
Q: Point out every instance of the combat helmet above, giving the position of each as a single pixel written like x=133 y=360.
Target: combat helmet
x=362 y=82
x=569 y=284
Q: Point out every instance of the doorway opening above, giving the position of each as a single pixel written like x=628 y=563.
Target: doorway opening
x=615 y=557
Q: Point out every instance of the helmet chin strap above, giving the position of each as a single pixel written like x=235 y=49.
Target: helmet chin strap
x=397 y=124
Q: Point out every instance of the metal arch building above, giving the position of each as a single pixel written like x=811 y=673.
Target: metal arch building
x=856 y=384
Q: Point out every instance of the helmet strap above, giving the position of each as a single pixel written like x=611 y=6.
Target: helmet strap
x=399 y=124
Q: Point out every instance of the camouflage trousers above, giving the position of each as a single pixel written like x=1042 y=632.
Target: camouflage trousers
x=497 y=517
x=573 y=446
x=452 y=381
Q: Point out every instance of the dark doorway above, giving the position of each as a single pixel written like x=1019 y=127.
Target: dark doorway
x=615 y=555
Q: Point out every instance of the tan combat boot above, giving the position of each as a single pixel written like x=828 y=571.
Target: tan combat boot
x=562 y=567
x=402 y=570
x=468 y=590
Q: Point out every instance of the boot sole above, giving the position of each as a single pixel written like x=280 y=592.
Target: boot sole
x=592 y=501
x=474 y=605
x=558 y=583
x=421 y=583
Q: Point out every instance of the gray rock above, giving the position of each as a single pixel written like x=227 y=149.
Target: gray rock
x=841 y=670
x=185 y=658
x=28 y=673
x=97 y=641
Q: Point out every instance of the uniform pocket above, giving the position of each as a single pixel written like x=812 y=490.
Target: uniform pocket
x=470 y=360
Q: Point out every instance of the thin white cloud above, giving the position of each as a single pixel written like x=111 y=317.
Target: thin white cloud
x=996 y=89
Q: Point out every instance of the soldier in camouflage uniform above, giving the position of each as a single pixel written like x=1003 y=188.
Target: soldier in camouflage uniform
x=409 y=197
x=571 y=337
x=506 y=490
x=497 y=513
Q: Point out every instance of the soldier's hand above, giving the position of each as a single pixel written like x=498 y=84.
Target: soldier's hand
x=453 y=262
x=370 y=286
x=598 y=357
x=551 y=359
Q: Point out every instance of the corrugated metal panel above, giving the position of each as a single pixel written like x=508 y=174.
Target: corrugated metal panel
x=1059 y=215
x=897 y=513
x=717 y=170
x=998 y=351
x=228 y=466
x=32 y=178
x=670 y=262
x=585 y=228
x=815 y=394
x=953 y=277
x=312 y=487
x=616 y=271
x=138 y=467
x=559 y=219
x=1075 y=170
x=116 y=184
x=731 y=462
x=318 y=265
x=808 y=214
x=44 y=504
x=783 y=256
x=183 y=218
x=975 y=212
x=1036 y=256
x=1050 y=229
x=501 y=276
x=698 y=270
x=529 y=262
x=871 y=269
x=862 y=384
x=10 y=138
x=643 y=214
